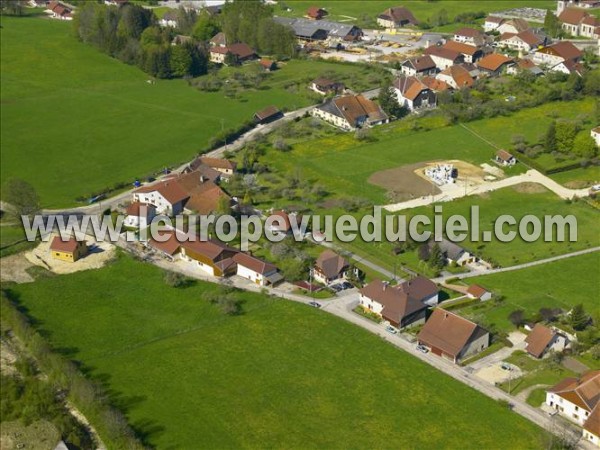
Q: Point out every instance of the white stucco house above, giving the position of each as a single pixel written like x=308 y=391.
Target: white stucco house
x=578 y=400
x=139 y=215
x=167 y=196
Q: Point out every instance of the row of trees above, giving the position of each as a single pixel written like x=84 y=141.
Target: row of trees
x=442 y=17
x=566 y=137
x=252 y=22
x=130 y=33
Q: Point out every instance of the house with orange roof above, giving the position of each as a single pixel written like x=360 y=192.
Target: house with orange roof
x=456 y=76
x=413 y=94
x=578 y=399
x=494 y=64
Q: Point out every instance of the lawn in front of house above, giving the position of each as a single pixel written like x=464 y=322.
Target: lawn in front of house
x=189 y=376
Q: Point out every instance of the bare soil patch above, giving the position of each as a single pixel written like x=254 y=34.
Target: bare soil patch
x=98 y=255
x=529 y=188
x=409 y=181
x=14 y=268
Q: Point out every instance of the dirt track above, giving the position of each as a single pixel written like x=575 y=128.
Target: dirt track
x=409 y=181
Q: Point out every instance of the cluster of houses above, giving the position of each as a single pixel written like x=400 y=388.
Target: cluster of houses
x=408 y=304
x=195 y=190
x=215 y=258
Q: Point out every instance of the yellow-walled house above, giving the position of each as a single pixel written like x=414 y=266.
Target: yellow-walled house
x=70 y=250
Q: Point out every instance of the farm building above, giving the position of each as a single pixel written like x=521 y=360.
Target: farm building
x=403 y=305
x=350 y=112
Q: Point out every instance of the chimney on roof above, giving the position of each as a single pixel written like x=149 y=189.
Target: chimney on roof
x=385 y=285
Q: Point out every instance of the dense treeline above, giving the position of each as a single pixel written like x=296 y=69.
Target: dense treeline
x=251 y=22
x=26 y=397
x=130 y=33
x=64 y=376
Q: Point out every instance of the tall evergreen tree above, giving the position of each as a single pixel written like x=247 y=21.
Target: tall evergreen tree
x=550 y=138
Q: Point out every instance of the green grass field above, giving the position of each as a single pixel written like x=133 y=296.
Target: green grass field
x=343 y=165
x=512 y=201
x=354 y=10
x=558 y=285
x=281 y=375
x=75 y=121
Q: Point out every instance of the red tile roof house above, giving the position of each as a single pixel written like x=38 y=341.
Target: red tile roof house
x=444 y=57
x=167 y=196
x=470 y=53
x=70 y=250
x=494 y=64
x=403 y=305
x=281 y=222
x=330 y=267
x=456 y=77
x=315 y=13
x=268 y=64
x=350 y=112
x=525 y=40
x=542 y=339
x=578 y=399
x=397 y=17
x=413 y=94
x=139 y=215
x=216 y=259
x=452 y=337
x=578 y=22
x=58 y=10
x=554 y=54
x=476 y=291
x=504 y=158
x=259 y=272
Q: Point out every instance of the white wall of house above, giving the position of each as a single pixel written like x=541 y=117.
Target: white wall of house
x=432 y=300
x=253 y=276
x=490 y=26
x=332 y=119
x=167 y=23
x=371 y=305
x=441 y=63
x=596 y=136
x=163 y=206
x=593 y=438
x=386 y=23
x=567 y=409
x=515 y=43
x=544 y=58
